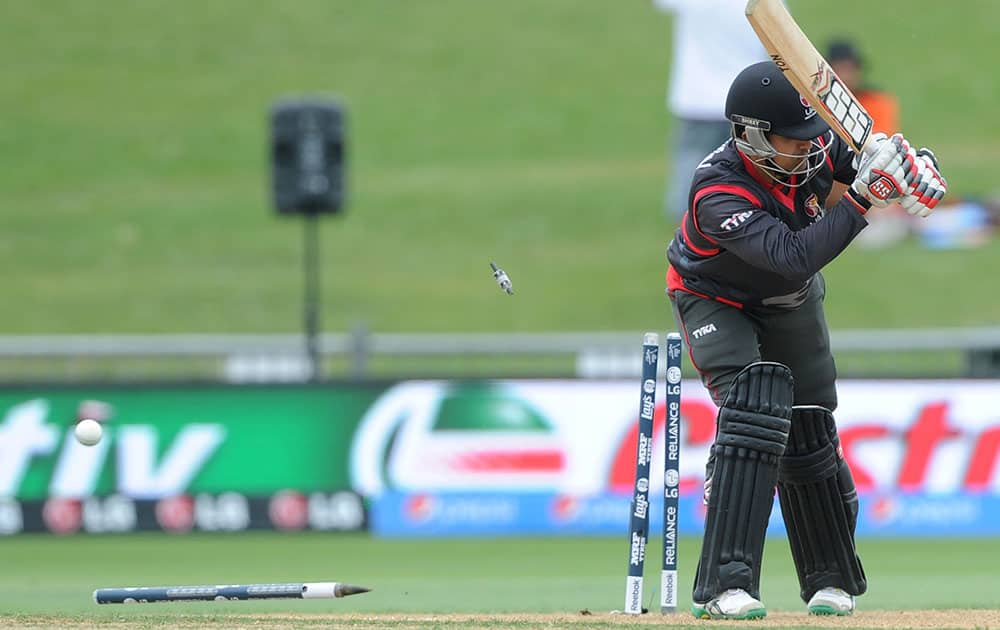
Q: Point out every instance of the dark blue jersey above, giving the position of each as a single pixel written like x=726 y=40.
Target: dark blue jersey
x=751 y=241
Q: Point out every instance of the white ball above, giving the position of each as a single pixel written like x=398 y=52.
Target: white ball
x=88 y=432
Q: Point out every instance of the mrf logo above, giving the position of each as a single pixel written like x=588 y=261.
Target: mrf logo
x=637 y=552
x=645 y=451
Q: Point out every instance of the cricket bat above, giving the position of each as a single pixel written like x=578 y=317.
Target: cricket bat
x=809 y=72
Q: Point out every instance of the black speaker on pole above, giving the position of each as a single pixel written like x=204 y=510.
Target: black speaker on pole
x=307 y=156
x=307 y=175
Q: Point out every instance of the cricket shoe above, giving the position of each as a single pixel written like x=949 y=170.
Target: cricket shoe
x=732 y=604
x=831 y=601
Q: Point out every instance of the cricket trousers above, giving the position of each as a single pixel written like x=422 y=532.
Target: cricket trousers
x=724 y=339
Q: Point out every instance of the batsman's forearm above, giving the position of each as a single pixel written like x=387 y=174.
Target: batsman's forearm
x=798 y=255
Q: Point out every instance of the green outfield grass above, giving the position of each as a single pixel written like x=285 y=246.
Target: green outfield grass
x=133 y=169
x=44 y=575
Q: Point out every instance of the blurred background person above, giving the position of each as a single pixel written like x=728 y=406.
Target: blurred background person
x=892 y=224
x=712 y=43
x=847 y=62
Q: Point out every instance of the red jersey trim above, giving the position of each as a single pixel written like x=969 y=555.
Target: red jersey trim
x=828 y=159
x=727 y=188
x=690 y=244
x=693 y=212
x=849 y=195
x=773 y=187
x=675 y=282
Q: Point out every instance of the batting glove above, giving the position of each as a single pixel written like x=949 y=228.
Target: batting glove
x=928 y=188
x=886 y=170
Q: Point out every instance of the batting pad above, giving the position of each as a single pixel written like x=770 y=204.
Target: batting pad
x=753 y=428
x=820 y=505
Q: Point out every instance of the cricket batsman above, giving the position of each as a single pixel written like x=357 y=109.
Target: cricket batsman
x=766 y=212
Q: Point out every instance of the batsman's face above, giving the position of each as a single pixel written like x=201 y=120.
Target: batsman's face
x=791 y=152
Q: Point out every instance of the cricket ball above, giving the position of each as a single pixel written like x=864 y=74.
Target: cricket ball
x=88 y=432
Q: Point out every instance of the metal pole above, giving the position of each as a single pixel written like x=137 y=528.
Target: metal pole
x=359 y=351
x=312 y=294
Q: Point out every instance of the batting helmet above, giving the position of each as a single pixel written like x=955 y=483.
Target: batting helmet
x=762 y=101
x=761 y=97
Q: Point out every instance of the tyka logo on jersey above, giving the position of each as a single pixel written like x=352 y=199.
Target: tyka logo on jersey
x=698 y=333
x=736 y=220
